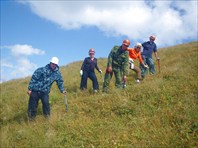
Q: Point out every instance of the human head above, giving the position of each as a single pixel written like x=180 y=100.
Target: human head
x=91 y=52
x=138 y=47
x=54 y=62
x=152 y=38
x=125 y=44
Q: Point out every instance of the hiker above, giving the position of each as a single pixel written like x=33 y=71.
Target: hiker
x=118 y=60
x=134 y=53
x=87 y=71
x=40 y=85
x=148 y=48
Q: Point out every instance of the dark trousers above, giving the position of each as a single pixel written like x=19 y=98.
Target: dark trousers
x=33 y=104
x=92 y=76
x=118 y=78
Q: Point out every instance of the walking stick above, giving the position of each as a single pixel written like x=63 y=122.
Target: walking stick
x=66 y=104
x=102 y=78
x=158 y=62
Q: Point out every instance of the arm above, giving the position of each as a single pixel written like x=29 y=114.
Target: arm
x=60 y=82
x=109 y=63
x=96 y=65
x=82 y=67
x=125 y=66
x=35 y=78
x=140 y=59
x=110 y=59
x=156 y=56
x=99 y=70
x=155 y=52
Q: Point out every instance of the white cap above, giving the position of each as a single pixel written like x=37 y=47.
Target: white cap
x=54 y=60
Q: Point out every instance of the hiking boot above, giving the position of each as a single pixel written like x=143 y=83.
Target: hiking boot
x=137 y=81
x=83 y=89
x=152 y=74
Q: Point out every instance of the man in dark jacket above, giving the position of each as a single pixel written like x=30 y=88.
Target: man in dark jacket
x=40 y=85
x=118 y=60
x=87 y=71
x=149 y=48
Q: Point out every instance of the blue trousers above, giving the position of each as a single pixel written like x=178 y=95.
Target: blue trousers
x=149 y=61
x=92 y=76
x=33 y=104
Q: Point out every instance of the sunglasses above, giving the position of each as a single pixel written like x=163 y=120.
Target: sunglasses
x=126 y=45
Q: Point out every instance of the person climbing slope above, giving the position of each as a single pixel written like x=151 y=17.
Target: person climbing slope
x=149 y=48
x=40 y=85
x=118 y=65
x=87 y=71
x=135 y=53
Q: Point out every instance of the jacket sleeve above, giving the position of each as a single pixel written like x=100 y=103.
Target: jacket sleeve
x=96 y=66
x=35 y=78
x=60 y=82
x=110 y=58
x=155 y=48
x=143 y=44
x=83 y=64
x=140 y=58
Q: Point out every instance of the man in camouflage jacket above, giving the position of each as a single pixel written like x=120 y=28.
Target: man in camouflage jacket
x=40 y=85
x=118 y=64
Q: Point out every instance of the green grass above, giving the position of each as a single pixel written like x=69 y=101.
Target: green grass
x=159 y=112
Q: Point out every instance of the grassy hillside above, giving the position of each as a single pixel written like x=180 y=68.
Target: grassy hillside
x=159 y=112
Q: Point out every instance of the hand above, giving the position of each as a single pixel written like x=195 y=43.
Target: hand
x=109 y=69
x=81 y=72
x=158 y=58
x=64 y=92
x=125 y=78
x=146 y=66
x=100 y=71
x=29 y=92
x=131 y=60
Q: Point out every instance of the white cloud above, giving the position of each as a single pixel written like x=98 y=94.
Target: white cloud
x=17 y=63
x=24 y=50
x=172 y=21
x=23 y=68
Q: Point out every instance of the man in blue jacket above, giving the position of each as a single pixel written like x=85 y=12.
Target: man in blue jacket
x=40 y=85
x=149 y=48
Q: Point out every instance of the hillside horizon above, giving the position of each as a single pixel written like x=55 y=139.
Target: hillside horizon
x=15 y=79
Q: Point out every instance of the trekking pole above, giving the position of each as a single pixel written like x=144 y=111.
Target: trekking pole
x=102 y=78
x=66 y=104
x=158 y=62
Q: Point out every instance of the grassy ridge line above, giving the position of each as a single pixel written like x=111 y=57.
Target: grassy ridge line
x=160 y=112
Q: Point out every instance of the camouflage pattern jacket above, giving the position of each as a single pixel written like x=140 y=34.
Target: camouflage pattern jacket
x=119 y=58
x=43 y=78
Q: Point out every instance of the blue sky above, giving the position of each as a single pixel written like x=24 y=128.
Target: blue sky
x=34 y=31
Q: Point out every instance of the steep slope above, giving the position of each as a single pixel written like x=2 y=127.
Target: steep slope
x=159 y=112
